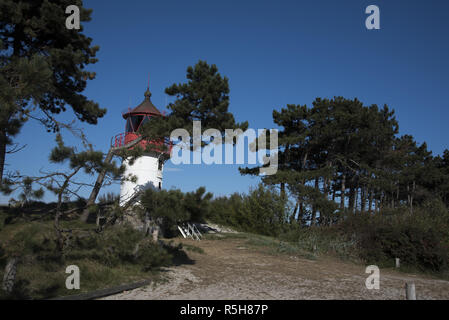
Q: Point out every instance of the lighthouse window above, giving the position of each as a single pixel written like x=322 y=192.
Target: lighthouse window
x=129 y=128
x=133 y=122
x=145 y=120
x=160 y=186
x=159 y=165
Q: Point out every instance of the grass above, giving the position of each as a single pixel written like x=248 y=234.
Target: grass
x=38 y=282
x=277 y=247
x=312 y=245
x=267 y=244
x=193 y=248
x=104 y=260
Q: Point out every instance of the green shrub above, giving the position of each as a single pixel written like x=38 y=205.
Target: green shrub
x=322 y=240
x=226 y=210
x=101 y=256
x=119 y=245
x=2 y=219
x=262 y=211
x=2 y=258
x=151 y=255
x=420 y=239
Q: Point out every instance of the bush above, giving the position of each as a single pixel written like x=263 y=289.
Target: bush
x=226 y=211
x=151 y=256
x=172 y=207
x=103 y=257
x=2 y=258
x=119 y=245
x=262 y=211
x=324 y=240
x=419 y=240
x=2 y=219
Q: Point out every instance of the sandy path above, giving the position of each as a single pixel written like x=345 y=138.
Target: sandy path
x=230 y=269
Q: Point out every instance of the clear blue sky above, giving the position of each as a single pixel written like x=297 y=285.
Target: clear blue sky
x=274 y=53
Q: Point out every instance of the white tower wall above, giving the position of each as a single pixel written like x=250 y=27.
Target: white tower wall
x=146 y=169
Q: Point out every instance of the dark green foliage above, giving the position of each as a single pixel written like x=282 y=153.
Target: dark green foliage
x=323 y=240
x=197 y=204
x=36 y=30
x=420 y=240
x=226 y=210
x=118 y=245
x=2 y=257
x=97 y=254
x=262 y=211
x=2 y=219
x=341 y=152
x=174 y=206
x=42 y=64
x=165 y=204
x=152 y=256
x=204 y=97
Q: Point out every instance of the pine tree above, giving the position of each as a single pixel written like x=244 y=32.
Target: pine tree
x=335 y=147
x=42 y=65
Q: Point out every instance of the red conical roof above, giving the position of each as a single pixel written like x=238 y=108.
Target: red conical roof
x=146 y=107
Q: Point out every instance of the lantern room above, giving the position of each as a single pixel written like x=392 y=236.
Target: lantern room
x=138 y=116
x=135 y=119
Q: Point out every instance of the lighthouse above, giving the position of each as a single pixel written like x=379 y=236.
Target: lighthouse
x=147 y=168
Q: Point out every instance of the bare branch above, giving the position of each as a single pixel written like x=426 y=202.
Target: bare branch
x=16 y=148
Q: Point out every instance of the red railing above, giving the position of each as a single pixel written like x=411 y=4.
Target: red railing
x=122 y=139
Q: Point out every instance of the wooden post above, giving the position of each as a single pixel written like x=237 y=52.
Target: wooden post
x=398 y=263
x=410 y=293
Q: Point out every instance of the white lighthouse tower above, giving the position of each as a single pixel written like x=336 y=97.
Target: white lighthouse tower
x=147 y=168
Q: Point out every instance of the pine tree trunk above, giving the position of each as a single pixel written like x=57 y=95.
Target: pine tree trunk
x=300 y=212
x=314 y=210
x=411 y=197
x=96 y=188
x=102 y=175
x=343 y=190
x=392 y=200
x=397 y=194
x=362 y=199
x=325 y=188
x=381 y=201
x=295 y=211
x=3 y=140
x=351 y=199
x=376 y=205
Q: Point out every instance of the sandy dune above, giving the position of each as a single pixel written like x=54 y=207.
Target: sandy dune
x=229 y=269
